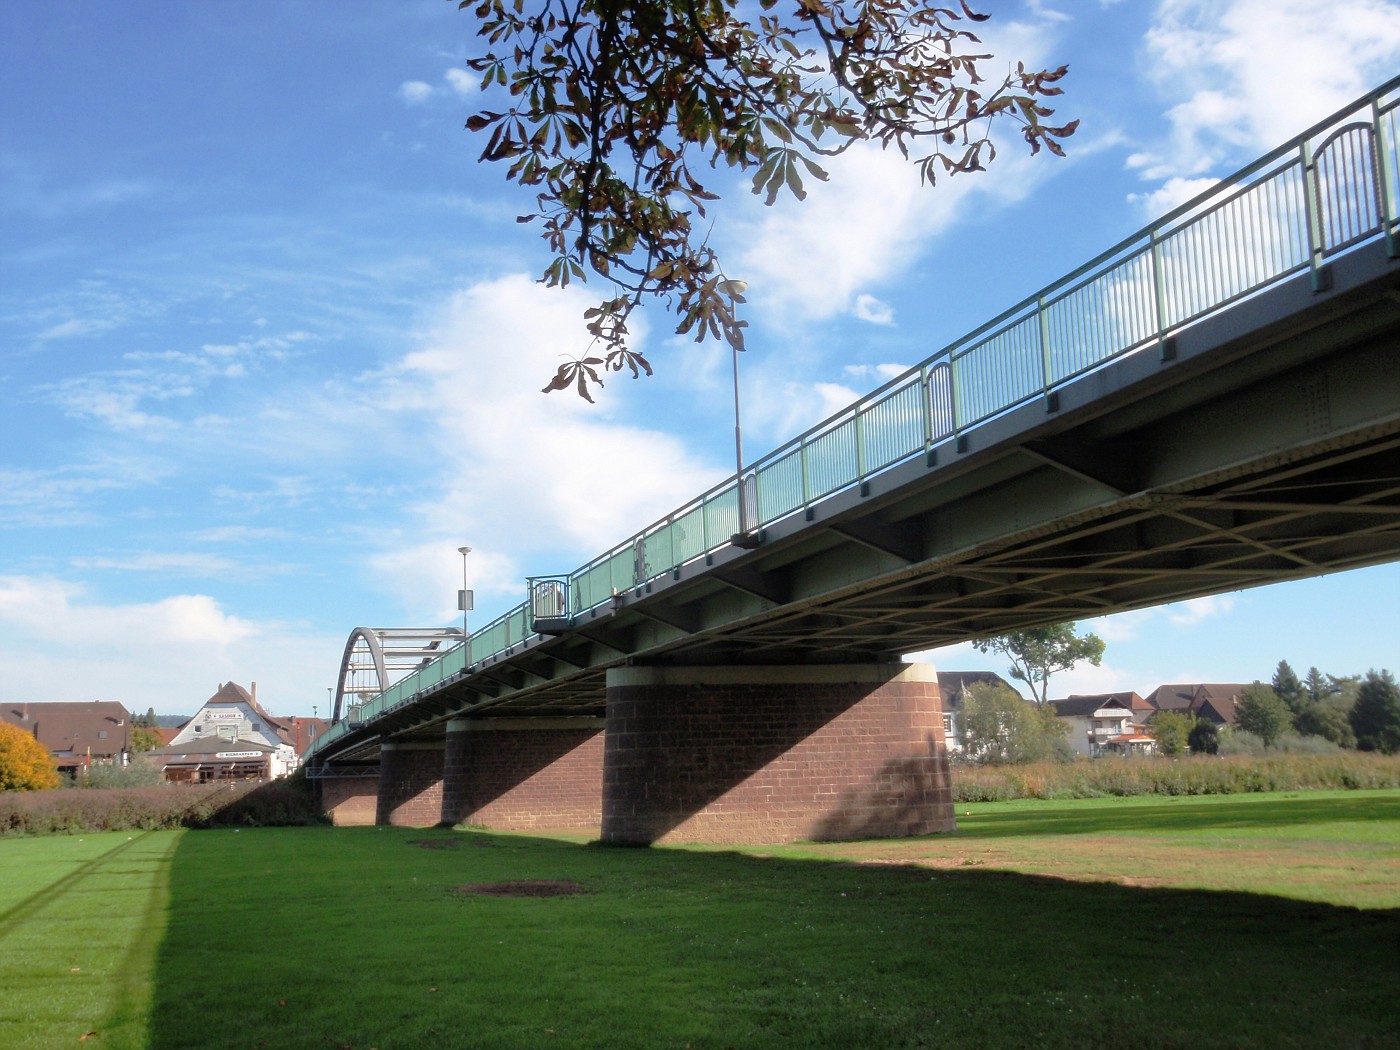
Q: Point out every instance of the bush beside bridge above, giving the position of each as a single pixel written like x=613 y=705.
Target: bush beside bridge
x=1194 y=775
x=73 y=810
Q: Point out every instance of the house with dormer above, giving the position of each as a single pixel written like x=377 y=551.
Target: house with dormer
x=231 y=737
x=1213 y=701
x=78 y=734
x=1101 y=722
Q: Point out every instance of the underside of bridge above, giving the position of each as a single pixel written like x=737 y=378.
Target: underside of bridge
x=1260 y=445
x=1254 y=453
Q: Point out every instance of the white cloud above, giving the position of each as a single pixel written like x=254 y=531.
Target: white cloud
x=516 y=473
x=77 y=327
x=1243 y=76
x=458 y=82
x=1170 y=195
x=1120 y=627
x=818 y=258
x=415 y=92
x=874 y=375
x=162 y=562
x=170 y=654
x=1042 y=10
x=462 y=82
x=124 y=399
x=876 y=311
x=1196 y=610
x=873 y=217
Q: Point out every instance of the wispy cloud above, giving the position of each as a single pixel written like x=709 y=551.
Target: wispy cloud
x=68 y=495
x=26 y=187
x=127 y=399
x=415 y=92
x=1220 y=66
x=456 y=83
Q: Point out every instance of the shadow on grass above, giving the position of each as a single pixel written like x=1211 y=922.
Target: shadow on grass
x=1157 y=813
x=353 y=938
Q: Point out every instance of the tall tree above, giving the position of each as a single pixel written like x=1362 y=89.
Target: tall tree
x=1172 y=731
x=1317 y=685
x=1204 y=738
x=609 y=108
x=1262 y=712
x=1000 y=727
x=25 y=764
x=1328 y=719
x=1287 y=686
x=1375 y=717
x=1038 y=652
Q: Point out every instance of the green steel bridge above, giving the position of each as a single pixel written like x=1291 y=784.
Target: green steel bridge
x=1211 y=404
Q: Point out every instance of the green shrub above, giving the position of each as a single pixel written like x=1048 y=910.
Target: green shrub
x=1194 y=775
x=104 y=776
x=73 y=810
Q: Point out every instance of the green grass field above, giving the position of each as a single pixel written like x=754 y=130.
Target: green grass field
x=1266 y=920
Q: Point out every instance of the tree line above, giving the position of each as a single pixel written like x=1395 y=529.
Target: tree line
x=1360 y=712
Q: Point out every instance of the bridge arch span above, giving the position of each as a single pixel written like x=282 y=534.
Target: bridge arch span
x=373 y=655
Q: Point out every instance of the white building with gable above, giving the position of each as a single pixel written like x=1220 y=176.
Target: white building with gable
x=230 y=738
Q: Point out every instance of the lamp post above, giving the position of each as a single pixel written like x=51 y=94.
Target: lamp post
x=464 y=602
x=743 y=537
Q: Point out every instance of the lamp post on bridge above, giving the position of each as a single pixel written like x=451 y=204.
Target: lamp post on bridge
x=743 y=537
x=464 y=602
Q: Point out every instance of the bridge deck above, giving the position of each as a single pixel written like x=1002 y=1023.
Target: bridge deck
x=1258 y=441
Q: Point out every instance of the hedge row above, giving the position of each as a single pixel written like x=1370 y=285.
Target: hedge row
x=72 y=810
x=1196 y=775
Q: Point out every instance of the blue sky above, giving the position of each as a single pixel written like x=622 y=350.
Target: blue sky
x=271 y=345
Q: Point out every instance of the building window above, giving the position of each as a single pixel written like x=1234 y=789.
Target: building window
x=257 y=727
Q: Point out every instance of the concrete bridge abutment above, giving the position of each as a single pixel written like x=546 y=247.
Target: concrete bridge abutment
x=769 y=754
x=520 y=774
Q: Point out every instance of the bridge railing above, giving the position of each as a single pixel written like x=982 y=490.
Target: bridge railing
x=1331 y=188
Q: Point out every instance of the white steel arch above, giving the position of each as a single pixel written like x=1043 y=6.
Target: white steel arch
x=376 y=657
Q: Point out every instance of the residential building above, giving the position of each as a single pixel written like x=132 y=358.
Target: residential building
x=952 y=687
x=230 y=738
x=1096 y=720
x=78 y=734
x=1215 y=702
x=1131 y=744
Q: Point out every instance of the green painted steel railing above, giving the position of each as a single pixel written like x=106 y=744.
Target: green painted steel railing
x=1331 y=188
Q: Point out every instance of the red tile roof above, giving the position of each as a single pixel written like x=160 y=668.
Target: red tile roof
x=99 y=728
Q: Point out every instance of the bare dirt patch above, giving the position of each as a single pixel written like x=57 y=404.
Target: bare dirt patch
x=521 y=888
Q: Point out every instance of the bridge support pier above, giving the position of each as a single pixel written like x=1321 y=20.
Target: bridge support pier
x=349 y=801
x=771 y=754
x=410 y=784
x=518 y=774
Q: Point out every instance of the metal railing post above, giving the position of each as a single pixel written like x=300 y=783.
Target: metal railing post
x=1043 y=324
x=1312 y=207
x=1159 y=294
x=858 y=421
x=1385 y=172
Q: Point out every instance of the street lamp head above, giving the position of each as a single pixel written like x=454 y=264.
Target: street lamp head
x=464 y=551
